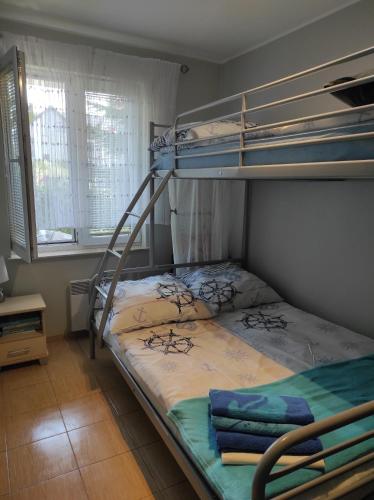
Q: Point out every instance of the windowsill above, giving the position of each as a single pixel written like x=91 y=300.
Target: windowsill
x=73 y=252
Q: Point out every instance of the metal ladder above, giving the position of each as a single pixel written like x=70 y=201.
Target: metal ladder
x=122 y=257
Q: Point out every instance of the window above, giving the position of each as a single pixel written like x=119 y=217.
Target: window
x=51 y=161
x=85 y=152
x=109 y=161
x=81 y=139
x=82 y=157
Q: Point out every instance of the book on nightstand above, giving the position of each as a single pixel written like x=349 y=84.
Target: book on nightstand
x=26 y=323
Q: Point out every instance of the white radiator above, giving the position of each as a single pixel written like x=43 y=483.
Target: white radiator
x=78 y=304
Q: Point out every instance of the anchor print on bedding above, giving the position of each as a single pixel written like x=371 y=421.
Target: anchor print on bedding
x=152 y=301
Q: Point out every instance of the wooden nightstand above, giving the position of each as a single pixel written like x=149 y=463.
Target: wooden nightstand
x=22 y=334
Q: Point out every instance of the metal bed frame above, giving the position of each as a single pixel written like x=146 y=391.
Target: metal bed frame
x=353 y=169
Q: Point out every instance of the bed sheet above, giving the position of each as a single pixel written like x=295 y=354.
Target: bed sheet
x=294 y=338
x=296 y=152
x=179 y=361
x=326 y=125
x=244 y=348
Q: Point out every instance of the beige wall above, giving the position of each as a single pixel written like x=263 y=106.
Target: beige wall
x=313 y=240
x=51 y=276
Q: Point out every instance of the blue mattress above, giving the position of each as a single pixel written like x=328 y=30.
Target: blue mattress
x=297 y=152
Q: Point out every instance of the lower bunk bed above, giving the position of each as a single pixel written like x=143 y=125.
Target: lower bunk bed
x=171 y=367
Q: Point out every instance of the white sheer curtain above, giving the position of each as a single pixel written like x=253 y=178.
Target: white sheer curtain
x=203 y=219
x=89 y=112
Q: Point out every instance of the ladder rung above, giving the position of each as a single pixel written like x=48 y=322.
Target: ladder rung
x=134 y=215
x=113 y=252
x=101 y=291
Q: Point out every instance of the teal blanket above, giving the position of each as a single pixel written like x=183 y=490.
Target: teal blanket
x=329 y=389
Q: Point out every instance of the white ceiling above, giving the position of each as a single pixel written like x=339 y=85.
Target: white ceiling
x=215 y=30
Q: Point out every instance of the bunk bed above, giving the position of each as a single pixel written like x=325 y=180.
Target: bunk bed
x=332 y=145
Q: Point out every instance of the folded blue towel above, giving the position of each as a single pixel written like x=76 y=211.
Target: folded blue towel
x=260 y=407
x=251 y=426
x=238 y=441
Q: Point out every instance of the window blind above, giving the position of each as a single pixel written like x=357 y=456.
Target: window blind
x=15 y=157
x=110 y=156
x=13 y=173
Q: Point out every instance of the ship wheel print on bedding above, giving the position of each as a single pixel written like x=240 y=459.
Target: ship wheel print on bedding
x=176 y=295
x=217 y=292
x=261 y=321
x=168 y=343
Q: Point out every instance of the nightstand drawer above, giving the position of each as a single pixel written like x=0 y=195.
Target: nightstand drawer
x=23 y=350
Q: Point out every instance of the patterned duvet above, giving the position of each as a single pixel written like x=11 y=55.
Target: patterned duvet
x=245 y=348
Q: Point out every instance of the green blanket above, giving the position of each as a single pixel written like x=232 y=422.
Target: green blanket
x=329 y=389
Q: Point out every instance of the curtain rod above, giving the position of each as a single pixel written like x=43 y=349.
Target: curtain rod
x=183 y=69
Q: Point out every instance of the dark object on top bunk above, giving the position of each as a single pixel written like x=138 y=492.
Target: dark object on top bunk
x=358 y=95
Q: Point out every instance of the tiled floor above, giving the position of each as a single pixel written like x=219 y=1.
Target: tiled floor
x=72 y=430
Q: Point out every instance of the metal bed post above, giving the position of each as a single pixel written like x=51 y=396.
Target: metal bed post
x=242 y=129
x=245 y=232
x=151 y=259
x=246 y=221
x=152 y=230
x=175 y=160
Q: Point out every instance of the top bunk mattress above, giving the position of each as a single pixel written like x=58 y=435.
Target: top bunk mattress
x=275 y=152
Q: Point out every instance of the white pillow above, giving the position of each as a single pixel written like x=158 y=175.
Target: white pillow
x=217 y=128
x=154 y=301
x=226 y=287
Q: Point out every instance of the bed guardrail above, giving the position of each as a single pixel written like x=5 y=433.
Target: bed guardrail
x=348 y=58
x=153 y=127
x=244 y=112
x=264 y=476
